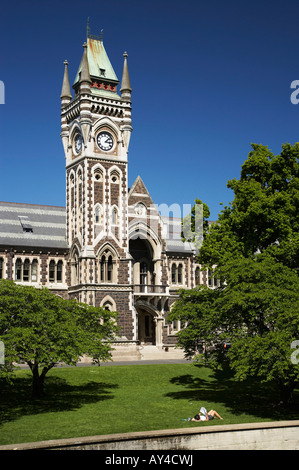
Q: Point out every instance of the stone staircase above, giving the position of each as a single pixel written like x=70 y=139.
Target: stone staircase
x=131 y=352
x=152 y=353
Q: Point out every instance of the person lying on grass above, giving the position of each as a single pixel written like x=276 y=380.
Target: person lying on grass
x=203 y=415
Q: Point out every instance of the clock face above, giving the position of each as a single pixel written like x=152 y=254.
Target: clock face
x=78 y=143
x=105 y=141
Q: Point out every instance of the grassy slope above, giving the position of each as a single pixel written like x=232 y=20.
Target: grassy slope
x=87 y=401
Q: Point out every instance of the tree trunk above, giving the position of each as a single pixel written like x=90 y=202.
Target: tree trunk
x=286 y=393
x=37 y=382
x=38 y=379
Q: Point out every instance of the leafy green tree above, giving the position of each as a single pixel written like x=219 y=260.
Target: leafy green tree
x=260 y=313
x=264 y=214
x=257 y=312
x=41 y=329
x=195 y=224
x=255 y=245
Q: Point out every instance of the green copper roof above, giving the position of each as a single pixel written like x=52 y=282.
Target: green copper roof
x=99 y=64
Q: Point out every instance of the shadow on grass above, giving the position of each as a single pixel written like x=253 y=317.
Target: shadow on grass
x=16 y=400
x=248 y=397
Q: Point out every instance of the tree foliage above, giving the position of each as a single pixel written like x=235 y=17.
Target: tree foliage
x=255 y=245
x=41 y=329
x=264 y=214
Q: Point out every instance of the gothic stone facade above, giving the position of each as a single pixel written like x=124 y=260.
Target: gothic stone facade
x=110 y=246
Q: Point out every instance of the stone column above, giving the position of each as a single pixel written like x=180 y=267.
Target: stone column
x=159 y=326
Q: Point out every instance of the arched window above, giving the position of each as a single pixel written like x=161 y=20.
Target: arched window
x=98 y=214
x=52 y=271
x=72 y=180
x=108 y=306
x=59 y=271
x=1 y=268
x=102 y=268
x=79 y=175
x=107 y=267
x=114 y=216
x=26 y=270
x=98 y=174
x=75 y=268
x=180 y=274
x=177 y=273
x=34 y=266
x=173 y=273
x=55 y=271
x=177 y=326
x=213 y=280
x=114 y=177
x=140 y=209
x=18 y=270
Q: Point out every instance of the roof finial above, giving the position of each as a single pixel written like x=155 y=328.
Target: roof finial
x=101 y=35
x=88 y=28
x=66 y=90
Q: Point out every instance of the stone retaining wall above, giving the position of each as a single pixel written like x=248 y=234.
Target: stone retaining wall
x=281 y=435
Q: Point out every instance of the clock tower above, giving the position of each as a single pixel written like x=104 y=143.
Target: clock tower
x=95 y=132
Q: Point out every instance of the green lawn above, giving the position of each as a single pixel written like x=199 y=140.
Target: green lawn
x=86 y=401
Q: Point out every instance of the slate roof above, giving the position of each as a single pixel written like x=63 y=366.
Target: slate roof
x=30 y=225
x=174 y=241
x=39 y=226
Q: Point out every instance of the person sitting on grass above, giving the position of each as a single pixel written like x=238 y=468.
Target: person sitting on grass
x=203 y=415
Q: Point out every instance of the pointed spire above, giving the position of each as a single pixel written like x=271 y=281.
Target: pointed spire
x=125 y=83
x=66 y=89
x=85 y=77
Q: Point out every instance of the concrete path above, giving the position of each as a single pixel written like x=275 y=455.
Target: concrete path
x=122 y=363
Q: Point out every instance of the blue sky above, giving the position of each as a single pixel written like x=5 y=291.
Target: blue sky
x=208 y=79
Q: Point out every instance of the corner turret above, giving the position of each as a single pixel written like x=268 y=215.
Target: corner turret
x=66 y=98
x=66 y=95
x=125 y=89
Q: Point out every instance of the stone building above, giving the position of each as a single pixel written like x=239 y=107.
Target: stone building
x=109 y=246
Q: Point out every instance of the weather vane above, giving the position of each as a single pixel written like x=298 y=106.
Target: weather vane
x=98 y=38
x=88 y=28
